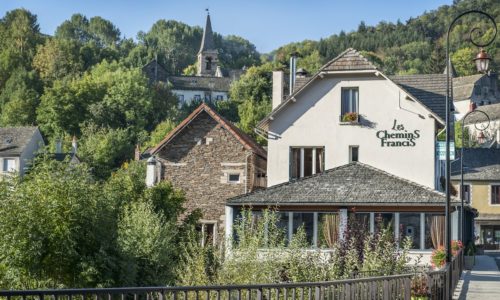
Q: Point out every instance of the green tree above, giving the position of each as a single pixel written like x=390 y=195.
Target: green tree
x=19 y=99
x=462 y=61
x=160 y=132
x=54 y=229
x=57 y=59
x=105 y=150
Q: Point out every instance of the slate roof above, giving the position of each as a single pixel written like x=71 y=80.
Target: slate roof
x=352 y=184
x=242 y=137
x=349 y=60
x=492 y=110
x=463 y=87
x=479 y=164
x=200 y=83
x=13 y=140
x=207 y=42
x=429 y=89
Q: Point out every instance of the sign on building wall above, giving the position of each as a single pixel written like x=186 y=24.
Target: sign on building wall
x=398 y=136
x=441 y=150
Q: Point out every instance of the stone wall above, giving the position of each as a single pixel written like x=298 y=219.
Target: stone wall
x=199 y=161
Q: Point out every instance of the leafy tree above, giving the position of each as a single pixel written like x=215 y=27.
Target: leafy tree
x=19 y=99
x=105 y=149
x=57 y=59
x=236 y=52
x=54 y=229
x=159 y=133
x=462 y=61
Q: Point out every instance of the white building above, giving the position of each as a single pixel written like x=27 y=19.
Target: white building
x=351 y=139
x=18 y=147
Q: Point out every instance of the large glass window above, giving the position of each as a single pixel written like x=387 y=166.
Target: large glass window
x=362 y=220
x=384 y=220
x=350 y=97
x=306 y=161
x=409 y=224
x=305 y=220
x=495 y=194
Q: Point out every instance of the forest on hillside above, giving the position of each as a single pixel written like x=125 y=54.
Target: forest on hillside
x=86 y=79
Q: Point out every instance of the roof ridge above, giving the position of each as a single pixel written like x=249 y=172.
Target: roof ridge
x=241 y=136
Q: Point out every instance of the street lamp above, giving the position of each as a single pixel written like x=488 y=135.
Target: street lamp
x=482 y=63
x=481 y=129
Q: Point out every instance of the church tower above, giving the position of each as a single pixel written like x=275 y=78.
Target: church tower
x=207 y=56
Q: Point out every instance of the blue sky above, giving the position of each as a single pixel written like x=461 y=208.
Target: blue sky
x=266 y=23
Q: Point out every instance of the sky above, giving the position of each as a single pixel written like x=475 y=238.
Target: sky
x=268 y=24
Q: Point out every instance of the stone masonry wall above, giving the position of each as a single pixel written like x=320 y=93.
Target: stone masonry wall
x=198 y=161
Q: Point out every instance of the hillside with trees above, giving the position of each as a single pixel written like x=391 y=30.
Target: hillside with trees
x=86 y=80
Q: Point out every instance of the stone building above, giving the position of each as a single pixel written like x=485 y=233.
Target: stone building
x=211 y=160
x=211 y=82
x=475 y=90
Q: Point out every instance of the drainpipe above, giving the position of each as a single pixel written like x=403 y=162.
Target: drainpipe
x=246 y=172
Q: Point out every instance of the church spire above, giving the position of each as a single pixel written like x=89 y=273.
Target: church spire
x=207 y=42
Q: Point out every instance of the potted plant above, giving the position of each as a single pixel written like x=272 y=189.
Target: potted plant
x=438 y=258
x=350 y=117
x=469 y=257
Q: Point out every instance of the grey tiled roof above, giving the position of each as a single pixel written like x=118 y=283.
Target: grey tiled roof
x=13 y=140
x=349 y=60
x=463 y=87
x=351 y=184
x=479 y=164
x=200 y=83
x=429 y=89
x=492 y=110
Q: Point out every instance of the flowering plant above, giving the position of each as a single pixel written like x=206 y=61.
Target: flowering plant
x=438 y=257
x=455 y=246
x=350 y=117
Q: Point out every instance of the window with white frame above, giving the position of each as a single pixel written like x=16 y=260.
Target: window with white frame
x=349 y=103
x=197 y=97
x=233 y=178
x=208 y=230
x=306 y=161
x=495 y=194
x=353 y=153
x=9 y=165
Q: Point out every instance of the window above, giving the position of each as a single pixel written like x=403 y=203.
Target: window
x=9 y=165
x=233 y=178
x=495 y=194
x=434 y=231
x=180 y=98
x=306 y=161
x=409 y=224
x=466 y=193
x=350 y=101
x=208 y=98
x=219 y=97
x=209 y=63
x=208 y=230
x=197 y=97
x=306 y=222
x=353 y=153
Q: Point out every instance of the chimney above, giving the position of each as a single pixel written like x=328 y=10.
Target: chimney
x=293 y=70
x=137 y=153
x=58 y=146
x=151 y=172
x=472 y=106
x=74 y=145
x=278 y=84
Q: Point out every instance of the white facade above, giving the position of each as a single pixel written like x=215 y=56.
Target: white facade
x=19 y=163
x=188 y=96
x=313 y=120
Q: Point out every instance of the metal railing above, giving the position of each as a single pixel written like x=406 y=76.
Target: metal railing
x=437 y=281
x=385 y=288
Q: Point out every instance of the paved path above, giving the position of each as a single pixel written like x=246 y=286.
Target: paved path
x=482 y=282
